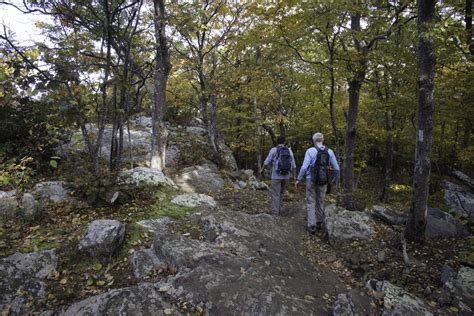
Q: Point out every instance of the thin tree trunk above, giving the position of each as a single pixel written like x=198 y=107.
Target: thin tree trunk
x=257 y=138
x=388 y=156
x=416 y=225
x=212 y=131
x=468 y=20
x=161 y=72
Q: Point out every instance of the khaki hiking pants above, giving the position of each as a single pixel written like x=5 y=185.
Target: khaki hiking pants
x=315 y=195
x=278 y=189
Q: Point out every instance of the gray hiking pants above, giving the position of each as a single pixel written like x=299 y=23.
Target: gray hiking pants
x=278 y=189
x=315 y=195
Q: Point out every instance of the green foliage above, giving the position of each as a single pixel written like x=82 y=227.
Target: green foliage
x=17 y=174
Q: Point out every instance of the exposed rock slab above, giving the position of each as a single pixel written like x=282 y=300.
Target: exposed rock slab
x=389 y=216
x=194 y=200
x=201 y=179
x=459 y=199
x=465 y=284
x=102 y=237
x=440 y=224
x=354 y=303
x=143 y=176
x=21 y=277
x=344 y=225
x=464 y=178
x=143 y=262
x=31 y=208
x=144 y=299
x=248 y=265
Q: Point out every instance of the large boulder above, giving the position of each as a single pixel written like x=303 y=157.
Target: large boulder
x=52 y=191
x=465 y=284
x=31 y=208
x=440 y=224
x=201 y=179
x=102 y=238
x=196 y=131
x=143 y=176
x=246 y=265
x=344 y=225
x=21 y=277
x=389 y=216
x=397 y=301
x=143 y=262
x=459 y=200
x=144 y=299
x=8 y=205
x=194 y=200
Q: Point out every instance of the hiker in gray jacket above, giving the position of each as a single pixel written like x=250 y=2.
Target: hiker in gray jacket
x=283 y=164
x=316 y=188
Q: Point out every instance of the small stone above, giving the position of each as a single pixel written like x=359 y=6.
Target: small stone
x=427 y=291
x=381 y=256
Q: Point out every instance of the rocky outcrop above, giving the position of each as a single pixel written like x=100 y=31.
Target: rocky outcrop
x=389 y=216
x=247 y=265
x=21 y=276
x=465 y=284
x=354 y=303
x=143 y=176
x=102 y=238
x=201 y=179
x=459 y=200
x=344 y=225
x=397 y=301
x=194 y=200
x=30 y=207
x=441 y=224
x=144 y=299
x=52 y=191
x=8 y=205
x=464 y=178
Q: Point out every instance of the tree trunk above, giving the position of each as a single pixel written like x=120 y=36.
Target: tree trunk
x=257 y=138
x=355 y=84
x=388 y=156
x=468 y=20
x=212 y=131
x=161 y=72
x=350 y=142
x=416 y=225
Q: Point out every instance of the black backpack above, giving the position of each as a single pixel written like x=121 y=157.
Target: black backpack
x=320 y=169
x=283 y=160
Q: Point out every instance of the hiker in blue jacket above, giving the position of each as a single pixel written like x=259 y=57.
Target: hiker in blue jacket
x=283 y=164
x=316 y=170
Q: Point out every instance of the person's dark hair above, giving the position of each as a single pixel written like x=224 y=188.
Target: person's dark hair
x=280 y=140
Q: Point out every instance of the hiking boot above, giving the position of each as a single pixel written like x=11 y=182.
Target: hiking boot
x=311 y=229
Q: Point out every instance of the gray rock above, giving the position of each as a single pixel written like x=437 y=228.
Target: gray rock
x=242 y=184
x=397 y=301
x=102 y=238
x=447 y=274
x=144 y=299
x=354 y=303
x=8 y=205
x=143 y=176
x=143 y=262
x=440 y=224
x=344 y=225
x=155 y=225
x=143 y=121
x=389 y=216
x=172 y=156
x=52 y=191
x=227 y=155
x=195 y=121
x=465 y=283
x=459 y=199
x=31 y=208
x=201 y=179
x=194 y=200
x=248 y=173
x=249 y=265
x=257 y=185
x=21 y=277
x=464 y=178
x=196 y=131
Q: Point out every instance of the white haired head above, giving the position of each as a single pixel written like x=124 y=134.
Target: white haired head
x=318 y=138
